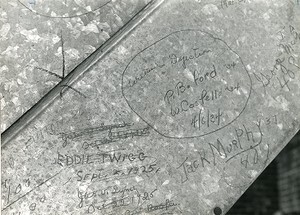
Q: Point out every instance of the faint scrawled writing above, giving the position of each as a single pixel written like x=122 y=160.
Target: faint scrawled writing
x=187 y=88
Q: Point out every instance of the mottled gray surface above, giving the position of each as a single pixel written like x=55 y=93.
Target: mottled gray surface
x=36 y=34
x=125 y=148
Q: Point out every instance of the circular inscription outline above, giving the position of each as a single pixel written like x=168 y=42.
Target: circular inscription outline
x=165 y=37
x=63 y=17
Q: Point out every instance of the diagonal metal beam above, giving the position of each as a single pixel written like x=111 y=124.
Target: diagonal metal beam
x=78 y=71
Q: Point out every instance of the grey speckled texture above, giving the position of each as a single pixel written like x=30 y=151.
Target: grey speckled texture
x=33 y=33
x=121 y=150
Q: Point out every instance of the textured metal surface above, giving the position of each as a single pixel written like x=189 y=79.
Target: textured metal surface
x=180 y=118
x=42 y=41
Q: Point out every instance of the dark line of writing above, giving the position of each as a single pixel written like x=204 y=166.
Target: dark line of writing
x=32 y=190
